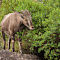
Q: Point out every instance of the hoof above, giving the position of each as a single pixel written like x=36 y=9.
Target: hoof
x=13 y=50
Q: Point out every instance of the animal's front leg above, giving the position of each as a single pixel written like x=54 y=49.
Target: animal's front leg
x=13 y=42
x=9 y=41
x=20 y=45
x=3 y=35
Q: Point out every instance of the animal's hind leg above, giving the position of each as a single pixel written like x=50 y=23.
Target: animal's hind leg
x=9 y=41
x=3 y=35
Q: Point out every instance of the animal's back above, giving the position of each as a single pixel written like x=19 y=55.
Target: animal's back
x=6 y=21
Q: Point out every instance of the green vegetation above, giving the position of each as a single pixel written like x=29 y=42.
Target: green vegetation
x=46 y=20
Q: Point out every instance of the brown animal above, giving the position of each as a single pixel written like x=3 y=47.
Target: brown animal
x=15 y=22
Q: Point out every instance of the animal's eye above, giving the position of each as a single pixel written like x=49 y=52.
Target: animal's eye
x=27 y=23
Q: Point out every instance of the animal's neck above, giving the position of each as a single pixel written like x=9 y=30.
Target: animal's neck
x=21 y=27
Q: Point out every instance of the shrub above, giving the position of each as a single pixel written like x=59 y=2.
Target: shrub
x=46 y=20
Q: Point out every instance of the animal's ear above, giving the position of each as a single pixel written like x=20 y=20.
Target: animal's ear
x=23 y=17
x=25 y=12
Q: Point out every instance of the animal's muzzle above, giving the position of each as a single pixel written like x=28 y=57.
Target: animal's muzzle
x=31 y=28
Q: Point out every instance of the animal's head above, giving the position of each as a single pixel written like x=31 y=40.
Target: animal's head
x=27 y=19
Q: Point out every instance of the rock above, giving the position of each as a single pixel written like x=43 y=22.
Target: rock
x=6 y=55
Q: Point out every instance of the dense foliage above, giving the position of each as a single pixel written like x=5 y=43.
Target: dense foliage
x=46 y=20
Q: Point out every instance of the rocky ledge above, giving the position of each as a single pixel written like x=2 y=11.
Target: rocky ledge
x=7 y=55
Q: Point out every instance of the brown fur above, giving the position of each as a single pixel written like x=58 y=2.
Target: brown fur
x=13 y=22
